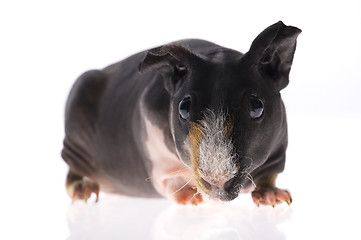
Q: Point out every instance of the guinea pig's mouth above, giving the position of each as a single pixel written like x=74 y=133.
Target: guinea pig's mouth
x=224 y=192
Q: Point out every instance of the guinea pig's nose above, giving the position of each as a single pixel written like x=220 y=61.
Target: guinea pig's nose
x=229 y=185
x=225 y=192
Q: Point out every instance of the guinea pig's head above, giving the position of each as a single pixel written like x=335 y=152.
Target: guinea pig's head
x=226 y=112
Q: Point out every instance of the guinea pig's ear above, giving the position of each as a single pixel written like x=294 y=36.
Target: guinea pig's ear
x=273 y=49
x=169 y=59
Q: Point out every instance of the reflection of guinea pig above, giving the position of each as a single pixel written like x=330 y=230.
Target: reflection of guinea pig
x=186 y=120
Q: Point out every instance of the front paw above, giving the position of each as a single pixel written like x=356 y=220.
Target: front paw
x=188 y=195
x=271 y=196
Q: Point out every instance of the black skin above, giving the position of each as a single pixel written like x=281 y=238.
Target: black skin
x=104 y=125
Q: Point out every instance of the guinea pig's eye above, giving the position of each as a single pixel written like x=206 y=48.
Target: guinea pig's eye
x=256 y=107
x=184 y=107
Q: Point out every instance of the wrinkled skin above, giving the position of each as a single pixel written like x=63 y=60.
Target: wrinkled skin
x=158 y=122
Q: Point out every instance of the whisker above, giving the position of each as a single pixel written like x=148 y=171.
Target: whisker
x=174 y=172
x=247 y=168
x=249 y=177
x=194 y=195
x=250 y=161
x=181 y=187
x=198 y=192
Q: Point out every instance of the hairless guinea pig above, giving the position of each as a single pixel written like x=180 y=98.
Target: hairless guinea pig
x=188 y=120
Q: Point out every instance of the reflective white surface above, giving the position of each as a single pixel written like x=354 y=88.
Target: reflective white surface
x=117 y=218
x=46 y=45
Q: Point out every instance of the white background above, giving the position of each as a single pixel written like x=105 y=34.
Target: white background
x=46 y=45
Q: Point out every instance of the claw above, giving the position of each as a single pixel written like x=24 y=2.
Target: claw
x=97 y=195
x=256 y=198
x=256 y=201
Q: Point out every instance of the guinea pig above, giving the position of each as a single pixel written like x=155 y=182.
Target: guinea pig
x=189 y=120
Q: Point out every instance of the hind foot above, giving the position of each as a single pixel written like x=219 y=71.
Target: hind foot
x=82 y=189
x=79 y=187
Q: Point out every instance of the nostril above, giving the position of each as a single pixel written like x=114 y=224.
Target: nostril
x=229 y=185
x=206 y=184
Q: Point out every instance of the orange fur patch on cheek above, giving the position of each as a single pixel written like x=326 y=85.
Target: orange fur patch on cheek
x=195 y=137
